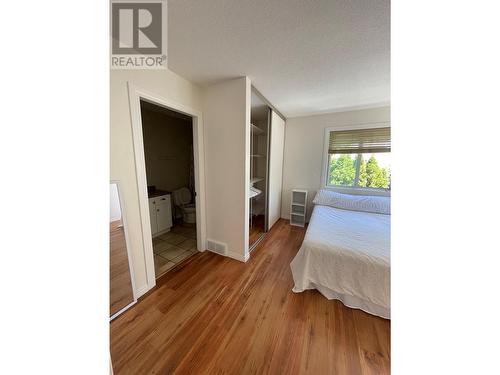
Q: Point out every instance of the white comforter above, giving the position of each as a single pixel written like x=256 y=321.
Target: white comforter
x=346 y=256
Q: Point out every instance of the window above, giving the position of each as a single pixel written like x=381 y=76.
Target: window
x=360 y=158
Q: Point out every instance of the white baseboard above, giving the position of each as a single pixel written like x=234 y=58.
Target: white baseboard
x=238 y=256
x=233 y=255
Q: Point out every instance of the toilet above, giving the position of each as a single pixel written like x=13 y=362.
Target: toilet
x=182 y=199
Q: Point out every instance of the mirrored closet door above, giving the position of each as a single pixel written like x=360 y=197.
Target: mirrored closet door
x=259 y=148
x=267 y=129
x=120 y=276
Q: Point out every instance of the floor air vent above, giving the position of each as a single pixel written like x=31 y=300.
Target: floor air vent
x=216 y=247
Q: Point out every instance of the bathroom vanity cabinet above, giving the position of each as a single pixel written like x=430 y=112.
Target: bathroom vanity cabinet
x=160 y=214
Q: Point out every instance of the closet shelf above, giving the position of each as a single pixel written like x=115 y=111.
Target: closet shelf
x=254 y=192
x=257 y=156
x=256 y=130
x=256 y=179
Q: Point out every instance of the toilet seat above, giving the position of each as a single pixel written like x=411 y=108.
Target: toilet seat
x=182 y=196
x=182 y=199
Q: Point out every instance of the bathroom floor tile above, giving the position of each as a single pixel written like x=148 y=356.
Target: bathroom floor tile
x=178 y=229
x=190 y=232
x=157 y=240
x=161 y=247
x=173 y=247
x=172 y=252
x=162 y=265
x=188 y=244
x=184 y=255
x=192 y=236
x=172 y=238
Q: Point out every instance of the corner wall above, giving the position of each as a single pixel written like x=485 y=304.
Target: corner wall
x=226 y=117
x=304 y=141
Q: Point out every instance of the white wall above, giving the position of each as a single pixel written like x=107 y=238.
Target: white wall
x=166 y=84
x=304 y=140
x=115 y=212
x=226 y=117
x=168 y=149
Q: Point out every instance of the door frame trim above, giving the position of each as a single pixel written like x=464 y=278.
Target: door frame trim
x=135 y=95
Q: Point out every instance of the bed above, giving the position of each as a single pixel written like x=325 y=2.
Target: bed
x=345 y=254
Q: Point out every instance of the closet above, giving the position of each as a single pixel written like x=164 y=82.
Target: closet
x=267 y=131
x=276 y=146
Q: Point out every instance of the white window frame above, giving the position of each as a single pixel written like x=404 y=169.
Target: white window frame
x=325 y=166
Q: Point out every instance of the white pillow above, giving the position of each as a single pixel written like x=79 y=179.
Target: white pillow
x=364 y=203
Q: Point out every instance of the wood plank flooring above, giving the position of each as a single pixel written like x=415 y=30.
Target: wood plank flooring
x=215 y=315
x=120 y=284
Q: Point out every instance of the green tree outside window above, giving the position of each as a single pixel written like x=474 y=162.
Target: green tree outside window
x=342 y=171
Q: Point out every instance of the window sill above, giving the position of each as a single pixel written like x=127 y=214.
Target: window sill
x=358 y=190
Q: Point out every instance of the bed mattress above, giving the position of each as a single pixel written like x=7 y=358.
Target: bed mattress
x=346 y=256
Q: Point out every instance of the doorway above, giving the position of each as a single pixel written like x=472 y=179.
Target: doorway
x=138 y=96
x=169 y=160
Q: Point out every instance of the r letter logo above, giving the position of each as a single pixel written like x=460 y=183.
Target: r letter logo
x=138 y=36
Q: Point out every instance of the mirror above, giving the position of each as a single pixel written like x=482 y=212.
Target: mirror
x=120 y=280
x=259 y=163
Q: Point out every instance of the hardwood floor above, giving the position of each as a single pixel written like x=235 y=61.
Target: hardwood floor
x=120 y=285
x=215 y=315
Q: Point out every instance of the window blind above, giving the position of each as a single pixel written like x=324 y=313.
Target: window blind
x=360 y=141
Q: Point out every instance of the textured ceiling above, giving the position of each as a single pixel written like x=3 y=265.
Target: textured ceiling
x=304 y=56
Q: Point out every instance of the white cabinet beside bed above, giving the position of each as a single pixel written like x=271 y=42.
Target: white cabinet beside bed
x=298 y=207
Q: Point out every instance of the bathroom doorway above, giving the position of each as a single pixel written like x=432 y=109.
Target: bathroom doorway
x=136 y=96
x=170 y=175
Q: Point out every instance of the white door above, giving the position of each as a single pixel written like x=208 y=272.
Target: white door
x=275 y=168
x=152 y=216
x=163 y=215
